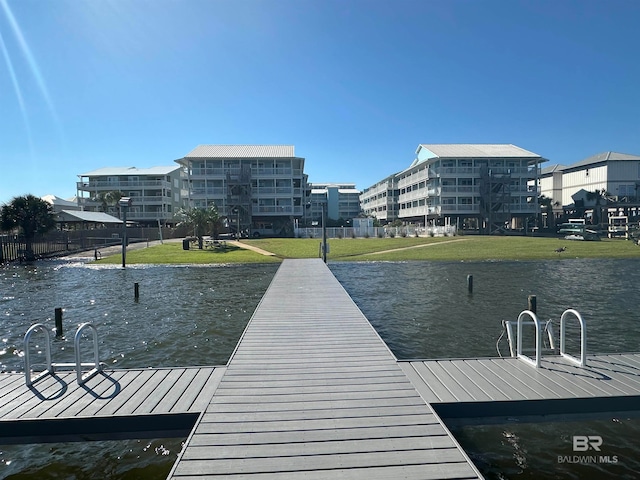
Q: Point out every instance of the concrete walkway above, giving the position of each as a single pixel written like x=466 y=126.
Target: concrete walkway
x=414 y=246
x=236 y=243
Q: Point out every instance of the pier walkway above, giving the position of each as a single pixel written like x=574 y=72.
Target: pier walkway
x=313 y=392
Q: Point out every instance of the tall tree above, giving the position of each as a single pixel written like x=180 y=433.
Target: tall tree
x=31 y=216
x=600 y=199
x=546 y=207
x=107 y=199
x=203 y=221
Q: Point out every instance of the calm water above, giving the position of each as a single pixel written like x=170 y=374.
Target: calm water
x=195 y=315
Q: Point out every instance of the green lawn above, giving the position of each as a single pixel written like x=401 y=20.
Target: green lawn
x=481 y=248
x=172 y=253
x=339 y=248
x=458 y=248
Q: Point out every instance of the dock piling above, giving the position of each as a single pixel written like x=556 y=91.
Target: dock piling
x=532 y=303
x=470 y=283
x=58 y=318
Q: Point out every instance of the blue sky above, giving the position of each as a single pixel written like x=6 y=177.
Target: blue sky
x=355 y=85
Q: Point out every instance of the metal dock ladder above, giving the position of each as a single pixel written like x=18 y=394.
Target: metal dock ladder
x=527 y=316
x=50 y=367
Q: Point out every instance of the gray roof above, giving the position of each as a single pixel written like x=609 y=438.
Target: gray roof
x=242 y=151
x=467 y=150
x=165 y=170
x=81 y=216
x=60 y=202
x=604 y=157
x=552 y=169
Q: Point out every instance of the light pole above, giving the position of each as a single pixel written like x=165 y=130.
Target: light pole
x=324 y=232
x=124 y=203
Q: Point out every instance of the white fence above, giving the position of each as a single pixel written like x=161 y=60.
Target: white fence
x=378 y=232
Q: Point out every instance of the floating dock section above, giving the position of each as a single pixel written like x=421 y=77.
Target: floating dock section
x=313 y=392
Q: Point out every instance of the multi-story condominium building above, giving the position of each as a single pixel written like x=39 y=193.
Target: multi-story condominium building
x=381 y=200
x=613 y=175
x=550 y=182
x=342 y=201
x=155 y=192
x=618 y=174
x=261 y=189
x=476 y=186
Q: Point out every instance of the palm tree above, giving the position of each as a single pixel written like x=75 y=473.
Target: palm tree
x=108 y=198
x=31 y=215
x=203 y=221
x=600 y=198
x=546 y=206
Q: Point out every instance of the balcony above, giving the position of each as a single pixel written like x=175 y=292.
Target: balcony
x=121 y=185
x=210 y=191
x=271 y=172
x=276 y=210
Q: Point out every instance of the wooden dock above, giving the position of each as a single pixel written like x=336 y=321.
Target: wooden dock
x=114 y=405
x=313 y=392
x=487 y=390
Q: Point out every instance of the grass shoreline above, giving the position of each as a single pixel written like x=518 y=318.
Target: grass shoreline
x=457 y=248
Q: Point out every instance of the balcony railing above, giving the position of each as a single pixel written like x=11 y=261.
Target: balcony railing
x=209 y=191
x=120 y=185
x=276 y=210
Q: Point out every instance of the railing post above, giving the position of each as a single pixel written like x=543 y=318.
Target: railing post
x=536 y=324
x=27 y=356
x=582 y=361
x=97 y=366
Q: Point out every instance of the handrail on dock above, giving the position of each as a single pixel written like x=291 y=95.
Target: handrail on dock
x=27 y=358
x=51 y=367
x=582 y=361
x=97 y=367
x=536 y=323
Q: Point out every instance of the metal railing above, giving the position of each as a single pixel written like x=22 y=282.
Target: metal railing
x=50 y=367
x=582 y=361
x=27 y=357
x=519 y=354
x=97 y=366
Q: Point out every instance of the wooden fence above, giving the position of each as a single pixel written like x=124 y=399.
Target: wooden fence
x=12 y=247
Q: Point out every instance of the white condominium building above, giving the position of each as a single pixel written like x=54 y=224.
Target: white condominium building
x=479 y=186
x=341 y=199
x=381 y=200
x=155 y=192
x=261 y=189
